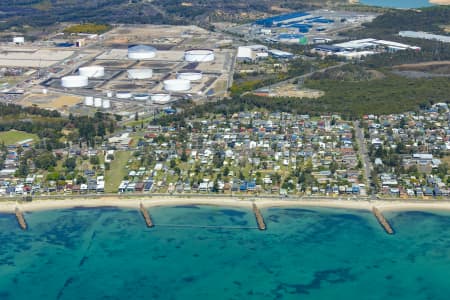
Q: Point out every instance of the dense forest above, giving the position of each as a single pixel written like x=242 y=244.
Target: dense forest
x=427 y=19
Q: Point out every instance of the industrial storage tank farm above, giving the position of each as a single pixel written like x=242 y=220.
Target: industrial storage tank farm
x=140 y=52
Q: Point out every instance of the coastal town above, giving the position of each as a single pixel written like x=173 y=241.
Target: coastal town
x=254 y=153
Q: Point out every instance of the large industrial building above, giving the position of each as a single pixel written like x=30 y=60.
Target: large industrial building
x=425 y=36
x=361 y=48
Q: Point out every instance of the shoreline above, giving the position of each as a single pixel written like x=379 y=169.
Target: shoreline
x=435 y=2
x=440 y=2
x=167 y=201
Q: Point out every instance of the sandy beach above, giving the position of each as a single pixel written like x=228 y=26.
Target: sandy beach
x=134 y=202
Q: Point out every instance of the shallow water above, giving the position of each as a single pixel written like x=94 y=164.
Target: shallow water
x=108 y=253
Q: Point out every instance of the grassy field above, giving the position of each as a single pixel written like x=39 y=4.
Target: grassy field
x=14 y=136
x=115 y=174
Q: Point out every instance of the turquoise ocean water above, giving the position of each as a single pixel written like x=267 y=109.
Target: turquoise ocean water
x=108 y=253
x=397 y=3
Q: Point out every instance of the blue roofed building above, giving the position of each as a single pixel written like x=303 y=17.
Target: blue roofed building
x=282 y=19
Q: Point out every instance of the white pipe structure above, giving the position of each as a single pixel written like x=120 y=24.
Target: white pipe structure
x=177 y=85
x=199 y=55
x=92 y=71
x=74 y=81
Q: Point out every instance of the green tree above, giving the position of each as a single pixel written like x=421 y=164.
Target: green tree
x=173 y=163
x=94 y=160
x=70 y=164
x=45 y=160
x=226 y=171
x=184 y=156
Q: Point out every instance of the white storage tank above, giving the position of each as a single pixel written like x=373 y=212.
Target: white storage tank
x=199 y=55
x=124 y=95
x=97 y=102
x=74 y=81
x=190 y=75
x=160 y=98
x=177 y=85
x=139 y=52
x=89 y=101
x=92 y=71
x=106 y=104
x=18 y=40
x=141 y=97
x=140 y=73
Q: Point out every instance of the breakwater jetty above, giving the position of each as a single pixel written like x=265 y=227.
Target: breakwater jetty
x=382 y=220
x=259 y=217
x=20 y=218
x=146 y=215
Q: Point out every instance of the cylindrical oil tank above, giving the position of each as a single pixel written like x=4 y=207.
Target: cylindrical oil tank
x=140 y=73
x=177 y=85
x=190 y=75
x=199 y=55
x=160 y=98
x=74 y=81
x=98 y=102
x=142 y=96
x=92 y=71
x=139 y=52
x=124 y=95
x=106 y=104
x=89 y=101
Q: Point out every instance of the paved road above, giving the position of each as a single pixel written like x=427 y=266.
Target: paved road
x=293 y=79
x=242 y=197
x=363 y=153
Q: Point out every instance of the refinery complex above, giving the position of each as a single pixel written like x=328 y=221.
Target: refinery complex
x=126 y=70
